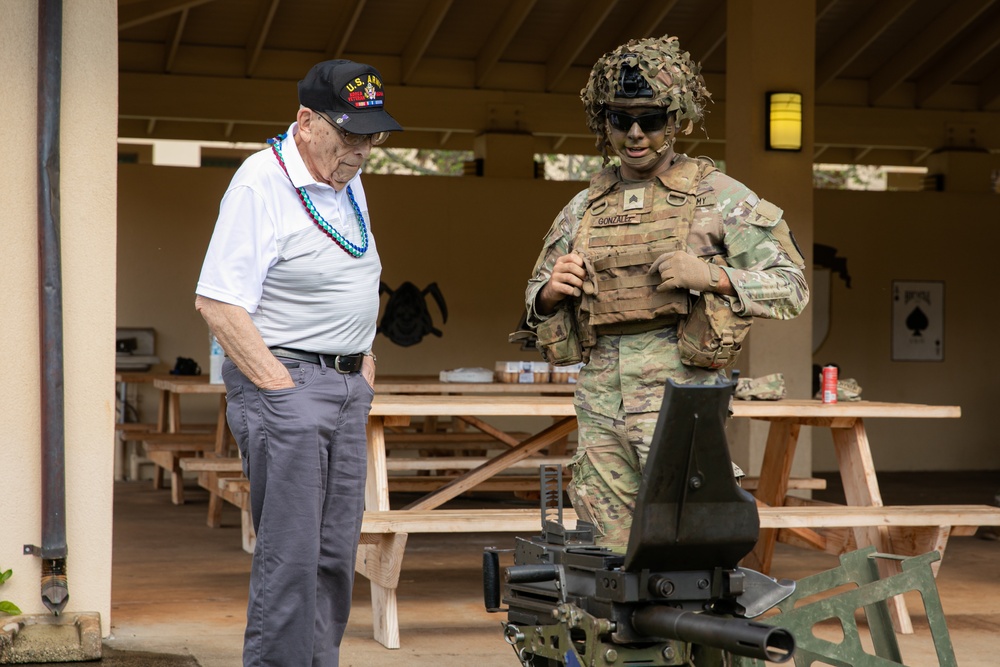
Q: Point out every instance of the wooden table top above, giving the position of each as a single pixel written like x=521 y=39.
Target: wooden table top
x=808 y=408
x=393 y=397
x=387 y=384
x=136 y=376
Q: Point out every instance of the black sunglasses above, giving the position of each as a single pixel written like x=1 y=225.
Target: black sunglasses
x=648 y=122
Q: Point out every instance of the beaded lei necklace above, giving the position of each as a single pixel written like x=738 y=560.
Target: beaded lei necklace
x=326 y=227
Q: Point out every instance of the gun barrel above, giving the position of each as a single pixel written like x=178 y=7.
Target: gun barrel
x=735 y=635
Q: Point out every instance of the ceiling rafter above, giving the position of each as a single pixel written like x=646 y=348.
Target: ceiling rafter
x=138 y=13
x=989 y=90
x=823 y=6
x=500 y=37
x=858 y=39
x=586 y=24
x=958 y=60
x=430 y=21
x=335 y=49
x=918 y=50
x=709 y=37
x=650 y=16
x=175 y=41
x=258 y=35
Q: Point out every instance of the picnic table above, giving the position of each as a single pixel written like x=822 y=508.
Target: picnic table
x=862 y=521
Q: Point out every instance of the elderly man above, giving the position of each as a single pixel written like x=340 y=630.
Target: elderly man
x=289 y=287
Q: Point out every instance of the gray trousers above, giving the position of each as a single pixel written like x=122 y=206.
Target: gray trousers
x=304 y=452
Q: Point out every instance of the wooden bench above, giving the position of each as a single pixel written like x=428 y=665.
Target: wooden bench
x=210 y=469
x=128 y=439
x=236 y=490
x=520 y=483
x=961 y=518
x=166 y=451
x=802 y=522
x=223 y=479
x=383 y=537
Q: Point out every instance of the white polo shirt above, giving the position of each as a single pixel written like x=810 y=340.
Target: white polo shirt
x=268 y=255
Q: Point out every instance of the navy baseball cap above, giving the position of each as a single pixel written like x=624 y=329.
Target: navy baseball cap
x=350 y=93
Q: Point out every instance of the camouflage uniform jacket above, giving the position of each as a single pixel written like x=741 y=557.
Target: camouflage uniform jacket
x=629 y=371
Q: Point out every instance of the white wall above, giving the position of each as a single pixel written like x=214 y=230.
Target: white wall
x=919 y=236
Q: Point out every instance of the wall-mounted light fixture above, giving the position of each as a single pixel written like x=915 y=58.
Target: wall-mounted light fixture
x=784 y=122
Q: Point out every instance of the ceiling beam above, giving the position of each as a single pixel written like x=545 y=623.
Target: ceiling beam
x=989 y=90
x=708 y=38
x=513 y=18
x=954 y=17
x=270 y=104
x=587 y=23
x=858 y=38
x=335 y=49
x=430 y=21
x=138 y=13
x=644 y=24
x=822 y=7
x=957 y=60
x=175 y=41
x=258 y=34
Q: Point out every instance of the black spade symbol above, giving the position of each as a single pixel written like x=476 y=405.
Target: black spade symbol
x=917 y=321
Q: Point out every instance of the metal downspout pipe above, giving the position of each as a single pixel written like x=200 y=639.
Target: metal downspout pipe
x=54 y=585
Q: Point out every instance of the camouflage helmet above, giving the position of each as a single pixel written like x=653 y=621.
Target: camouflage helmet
x=646 y=72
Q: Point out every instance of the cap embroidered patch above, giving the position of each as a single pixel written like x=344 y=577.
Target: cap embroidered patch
x=364 y=91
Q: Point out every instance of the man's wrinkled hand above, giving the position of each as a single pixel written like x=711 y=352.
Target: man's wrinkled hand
x=682 y=270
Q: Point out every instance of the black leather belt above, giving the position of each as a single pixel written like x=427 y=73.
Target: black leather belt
x=342 y=363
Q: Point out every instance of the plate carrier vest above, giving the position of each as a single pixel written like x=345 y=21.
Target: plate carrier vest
x=625 y=228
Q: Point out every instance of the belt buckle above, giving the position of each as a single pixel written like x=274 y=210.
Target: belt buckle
x=336 y=365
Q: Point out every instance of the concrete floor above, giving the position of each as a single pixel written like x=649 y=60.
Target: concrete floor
x=180 y=587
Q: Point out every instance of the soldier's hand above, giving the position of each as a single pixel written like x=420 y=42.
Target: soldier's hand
x=682 y=270
x=567 y=279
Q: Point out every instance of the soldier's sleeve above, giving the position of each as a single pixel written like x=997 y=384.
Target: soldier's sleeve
x=765 y=264
x=558 y=242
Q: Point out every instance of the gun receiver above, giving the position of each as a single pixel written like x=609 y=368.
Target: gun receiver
x=677 y=594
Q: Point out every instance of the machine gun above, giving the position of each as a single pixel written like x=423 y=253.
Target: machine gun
x=678 y=596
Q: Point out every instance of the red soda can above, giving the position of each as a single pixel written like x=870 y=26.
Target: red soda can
x=829 y=384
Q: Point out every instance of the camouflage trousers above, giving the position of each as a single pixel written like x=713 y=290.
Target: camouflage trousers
x=607 y=471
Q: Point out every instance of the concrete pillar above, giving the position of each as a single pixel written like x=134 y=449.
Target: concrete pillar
x=770 y=47
x=506 y=154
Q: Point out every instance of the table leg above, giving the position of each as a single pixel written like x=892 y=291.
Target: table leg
x=377 y=485
x=782 y=438
x=221 y=429
x=174 y=413
x=381 y=564
x=857 y=472
x=161 y=411
x=381 y=561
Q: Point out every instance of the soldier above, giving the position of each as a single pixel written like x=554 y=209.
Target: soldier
x=653 y=273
